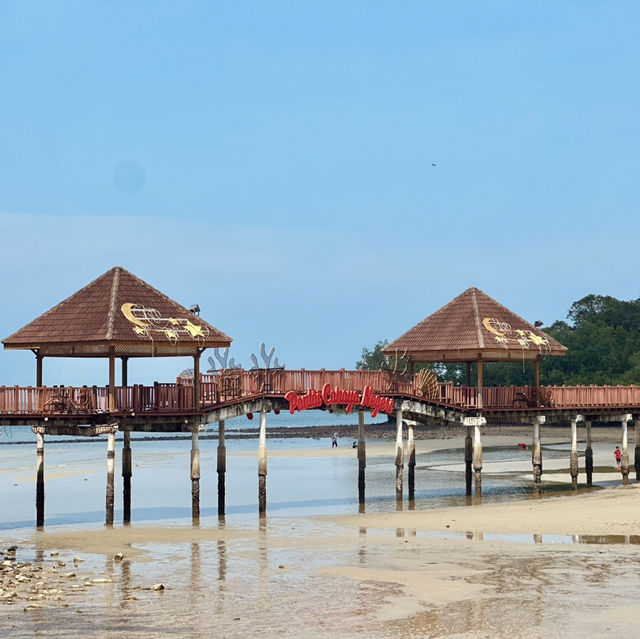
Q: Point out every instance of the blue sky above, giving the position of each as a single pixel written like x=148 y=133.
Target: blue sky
x=273 y=162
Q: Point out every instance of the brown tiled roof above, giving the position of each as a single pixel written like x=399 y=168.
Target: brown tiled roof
x=117 y=310
x=473 y=325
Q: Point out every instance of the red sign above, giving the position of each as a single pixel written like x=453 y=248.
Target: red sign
x=336 y=396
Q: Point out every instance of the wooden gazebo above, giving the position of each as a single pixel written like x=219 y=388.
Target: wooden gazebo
x=118 y=315
x=474 y=328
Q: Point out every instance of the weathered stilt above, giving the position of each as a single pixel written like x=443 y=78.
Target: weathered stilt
x=195 y=475
x=222 y=467
x=411 y=461
x=573 y=459
x=536 y=452
x=399 y=455
x=39 y=432
x=468 y=454
x=362 y=457
x=477 y=454
x=624 y=467
x=126 y=477
x=111 y=463
x=588 y=455
x=262 y=464
x=636 y=457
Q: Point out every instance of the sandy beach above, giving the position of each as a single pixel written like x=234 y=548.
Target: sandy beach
x=563 y=565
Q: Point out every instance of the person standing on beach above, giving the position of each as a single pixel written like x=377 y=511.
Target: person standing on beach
x=334 y=440
x=618 y=455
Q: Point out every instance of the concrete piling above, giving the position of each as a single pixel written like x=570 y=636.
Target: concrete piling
x=111 y=460
x=411 y=461
x=262 y=464
x=536 y=452
x=362 y=457
x=573 y=457
x=222 y=467
x=195 y=475
x=39 y=432
x=588 y=455
x=399 y=456
x=126 y=477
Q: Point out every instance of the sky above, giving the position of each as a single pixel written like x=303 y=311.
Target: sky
x=316 y=176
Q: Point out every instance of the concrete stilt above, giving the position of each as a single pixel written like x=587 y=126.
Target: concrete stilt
x=624 y=467
x=636 y=457
x=468 y=458
x=126 y=477
x=262 y=464
x=39 y=432
x=362 y=457
x=195 y=475
x=573 y=459
x=411 y=461
x=477 y=454
x=536 y=452
x=588 y=455
x=222 y=467
x=399 y=456
x=111 y=463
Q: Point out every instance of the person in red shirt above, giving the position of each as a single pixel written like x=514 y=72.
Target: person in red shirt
x=618 y=455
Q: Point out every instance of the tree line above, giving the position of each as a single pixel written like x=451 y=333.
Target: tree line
x=602 y=336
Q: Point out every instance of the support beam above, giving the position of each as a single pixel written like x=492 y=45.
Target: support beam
x=126 y=477
x=536 y=452
x=536 y=376
x=362 y=457
x=222 y=467
x=588 y=455
x=636 y=458
x=262 y=464
x=480 y=382
x=624 y=468
x=39 y=433
x=399 y=456
x=112 y=379
x=124 y=372
x=573 y=459
x=111 y=461
x=196 y=379
x=411 y=461
x=195 y=475
x=39 y=359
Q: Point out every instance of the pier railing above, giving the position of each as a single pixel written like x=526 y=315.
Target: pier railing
x=236 y=385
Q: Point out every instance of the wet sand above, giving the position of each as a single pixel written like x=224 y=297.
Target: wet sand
x=558 y=566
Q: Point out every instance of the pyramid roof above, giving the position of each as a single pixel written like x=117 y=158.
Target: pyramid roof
x=474 y=326
x=119 y=313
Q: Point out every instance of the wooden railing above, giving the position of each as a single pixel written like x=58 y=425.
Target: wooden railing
x=235 y=385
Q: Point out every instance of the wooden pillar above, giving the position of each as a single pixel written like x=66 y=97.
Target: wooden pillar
x=477 y=455
x=195 y=475
x=536 y=452
x=124 y=376
x=39 y=433
x=573 y=459
x=411 y=461
x=468 y=454
x=112 y=379
x=196 y=379
x=126 y=477
x=536 y=376
x=111 y=461
x=636 y=458
x=480 y=382
x=588 y=455
x=624 y=467
x=262 y=464
x=468 y=373
x=222 y=467
x=399 y=455
x=39 y=359
x=362 y=457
